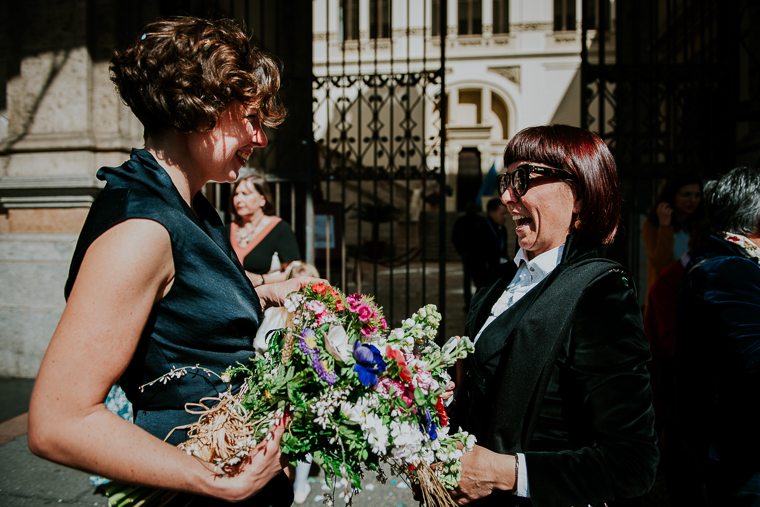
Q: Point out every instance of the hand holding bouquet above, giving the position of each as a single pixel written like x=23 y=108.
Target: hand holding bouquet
x=357 y=393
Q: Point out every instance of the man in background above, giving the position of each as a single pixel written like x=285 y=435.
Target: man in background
x=488 y=247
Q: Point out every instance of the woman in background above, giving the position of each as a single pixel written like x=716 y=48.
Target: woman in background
x=667 y=228
x=264 y=244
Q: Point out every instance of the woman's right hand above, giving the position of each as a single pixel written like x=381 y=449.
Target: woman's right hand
x=262 y=464
x=664 y=213
x=273 y=295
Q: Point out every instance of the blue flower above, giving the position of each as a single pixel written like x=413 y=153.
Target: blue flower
x=428 y=426
x=369 y=363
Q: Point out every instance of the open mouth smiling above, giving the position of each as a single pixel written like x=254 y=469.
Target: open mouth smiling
x=521 y=220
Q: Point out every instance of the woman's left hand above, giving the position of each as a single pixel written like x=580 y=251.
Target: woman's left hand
x=272 y=295
x=483 y=472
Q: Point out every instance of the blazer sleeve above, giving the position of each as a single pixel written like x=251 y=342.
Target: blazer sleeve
x=718 y=337
x=608 y=384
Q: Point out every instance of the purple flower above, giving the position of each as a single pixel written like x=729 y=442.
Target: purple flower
x=369 y=363
x=328 y=376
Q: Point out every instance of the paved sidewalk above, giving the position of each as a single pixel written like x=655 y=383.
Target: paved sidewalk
x=26 y=480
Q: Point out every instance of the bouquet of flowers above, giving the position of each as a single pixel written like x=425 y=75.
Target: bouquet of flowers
x=358 y=394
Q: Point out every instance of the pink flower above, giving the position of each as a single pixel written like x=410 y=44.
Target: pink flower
x=384 y=385
x=317 y=307
x=368 y=331
x=423 y=379
x=354 y=300
x=364 y=312
x=383 y=324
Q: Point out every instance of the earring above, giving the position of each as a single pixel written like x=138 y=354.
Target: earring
x=577 y=223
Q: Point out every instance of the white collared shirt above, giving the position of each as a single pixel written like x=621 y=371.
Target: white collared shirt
x=529 y=274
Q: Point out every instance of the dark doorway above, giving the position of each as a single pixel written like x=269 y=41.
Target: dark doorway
x=469 y=177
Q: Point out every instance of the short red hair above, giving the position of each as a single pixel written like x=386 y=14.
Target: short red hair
x=585 y=155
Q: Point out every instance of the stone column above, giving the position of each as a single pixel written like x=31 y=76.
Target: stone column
x=64 y=122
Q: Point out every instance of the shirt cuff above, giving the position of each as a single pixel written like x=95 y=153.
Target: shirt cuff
x=522 y=489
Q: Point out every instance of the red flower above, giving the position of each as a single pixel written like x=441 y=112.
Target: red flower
x=443 y=418
x=339 y=307
x=397 y=356
x=319 y=288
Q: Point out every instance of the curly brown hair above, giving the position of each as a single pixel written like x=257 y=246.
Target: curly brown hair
x=182 y=73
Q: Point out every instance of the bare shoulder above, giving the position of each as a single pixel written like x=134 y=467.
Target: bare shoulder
x=132 y=254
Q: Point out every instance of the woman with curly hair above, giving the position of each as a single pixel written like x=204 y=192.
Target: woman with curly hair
x=154 y=283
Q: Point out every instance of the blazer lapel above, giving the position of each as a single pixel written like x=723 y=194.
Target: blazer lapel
x=484 y=300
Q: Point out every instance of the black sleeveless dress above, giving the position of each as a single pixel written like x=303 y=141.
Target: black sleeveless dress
x=209 y=316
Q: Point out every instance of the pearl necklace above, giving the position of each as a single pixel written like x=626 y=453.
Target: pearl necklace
x=244 y=235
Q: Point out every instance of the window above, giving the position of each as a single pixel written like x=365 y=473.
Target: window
x=470 y=13
x=349 y=19
x=500 y=16
x=436 y=13
x=564 y=15
x=593 y=14
x=380 y=19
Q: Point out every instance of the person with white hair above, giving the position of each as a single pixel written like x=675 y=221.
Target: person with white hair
x=717 y=387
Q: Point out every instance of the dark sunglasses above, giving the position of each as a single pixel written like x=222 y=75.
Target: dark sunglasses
x=518 y=179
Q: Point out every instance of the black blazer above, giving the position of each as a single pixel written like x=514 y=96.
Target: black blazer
x=561 y=377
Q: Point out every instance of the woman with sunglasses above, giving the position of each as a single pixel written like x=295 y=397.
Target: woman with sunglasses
x=154 y=283
x=557 y=392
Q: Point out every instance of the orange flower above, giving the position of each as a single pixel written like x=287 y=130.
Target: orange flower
x=404 y=373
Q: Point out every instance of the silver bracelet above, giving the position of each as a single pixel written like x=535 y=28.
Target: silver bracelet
x=517 y=467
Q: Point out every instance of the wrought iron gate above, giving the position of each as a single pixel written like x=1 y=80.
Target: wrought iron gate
x=377 y=108
x=663 y=87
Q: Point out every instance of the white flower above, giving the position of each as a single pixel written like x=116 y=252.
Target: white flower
x=407 y=439
x=337 y=345
x=293 y=302
x=354 y=413
x=226 y=377
x=470 y=442
x=376 y=433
